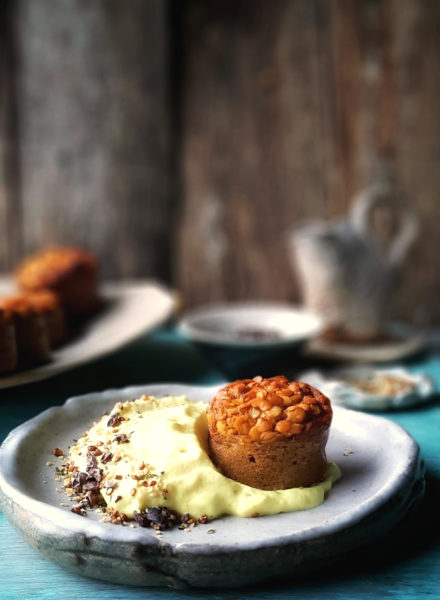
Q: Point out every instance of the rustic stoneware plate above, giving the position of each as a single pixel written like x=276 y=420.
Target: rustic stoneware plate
x=382 y=478
x=130 y=310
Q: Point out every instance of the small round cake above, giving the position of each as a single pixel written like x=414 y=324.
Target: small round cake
x=8 y=342
x=33 y=344
x=48 y=305
x=71 y=273
x=270 y=433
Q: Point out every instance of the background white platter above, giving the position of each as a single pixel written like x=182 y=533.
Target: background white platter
x=382 y=478
x=131 y=308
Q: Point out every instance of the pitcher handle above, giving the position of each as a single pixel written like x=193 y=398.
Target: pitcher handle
x=360 y=214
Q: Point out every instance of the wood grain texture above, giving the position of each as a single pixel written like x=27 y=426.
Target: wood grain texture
x=10 y=210
x=183 y=140
x=92 y=100
x=245 y=139
x=289 y=110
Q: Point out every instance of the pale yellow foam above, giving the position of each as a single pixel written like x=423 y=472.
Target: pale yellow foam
x=169 y=435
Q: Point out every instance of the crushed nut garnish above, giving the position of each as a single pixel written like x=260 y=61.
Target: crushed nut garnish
x=115 y=419
x=106 y=457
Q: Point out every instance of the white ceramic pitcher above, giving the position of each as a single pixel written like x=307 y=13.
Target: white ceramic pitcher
x=347 y=269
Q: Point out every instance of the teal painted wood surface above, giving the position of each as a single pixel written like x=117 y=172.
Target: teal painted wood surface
x=405 y=564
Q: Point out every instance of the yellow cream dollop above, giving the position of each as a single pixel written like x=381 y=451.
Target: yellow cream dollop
x=159 y=458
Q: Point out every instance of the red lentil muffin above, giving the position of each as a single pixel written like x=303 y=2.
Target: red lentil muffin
x=270 y=433
x=71 y=273
x=48 y=304
x=8 y=343
x=33 y=345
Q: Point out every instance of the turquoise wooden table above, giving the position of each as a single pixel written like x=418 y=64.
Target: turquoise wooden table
x=404 y=564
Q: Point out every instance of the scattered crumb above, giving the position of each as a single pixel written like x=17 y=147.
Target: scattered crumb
x=212 y=530
x=347 y=451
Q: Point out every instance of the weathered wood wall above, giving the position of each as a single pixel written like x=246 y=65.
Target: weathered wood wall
x=291 y=107
x=90 y=85
x=182 y=140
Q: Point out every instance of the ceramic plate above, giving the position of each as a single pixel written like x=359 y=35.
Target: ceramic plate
x=131 y=309
x=382 y=477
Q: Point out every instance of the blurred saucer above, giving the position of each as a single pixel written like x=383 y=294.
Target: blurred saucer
x=403 y=342
x=364 y=387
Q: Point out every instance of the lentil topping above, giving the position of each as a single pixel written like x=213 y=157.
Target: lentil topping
x=268 y=409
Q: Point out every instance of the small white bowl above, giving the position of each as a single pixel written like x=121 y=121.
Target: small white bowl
x=250 y=324
x=242 y=338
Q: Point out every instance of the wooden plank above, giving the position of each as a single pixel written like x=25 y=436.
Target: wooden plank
x=289 y=110
x=94 y=130
x=387 y=85
x=10 y=210
x=251 y=164
x=417 y=50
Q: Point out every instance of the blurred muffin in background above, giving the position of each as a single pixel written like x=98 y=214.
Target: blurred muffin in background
x=48 y=304
x=8 y=342
x=32 y=337
x=71 y=273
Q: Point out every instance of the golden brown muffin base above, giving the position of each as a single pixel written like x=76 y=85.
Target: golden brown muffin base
x=281 y=464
